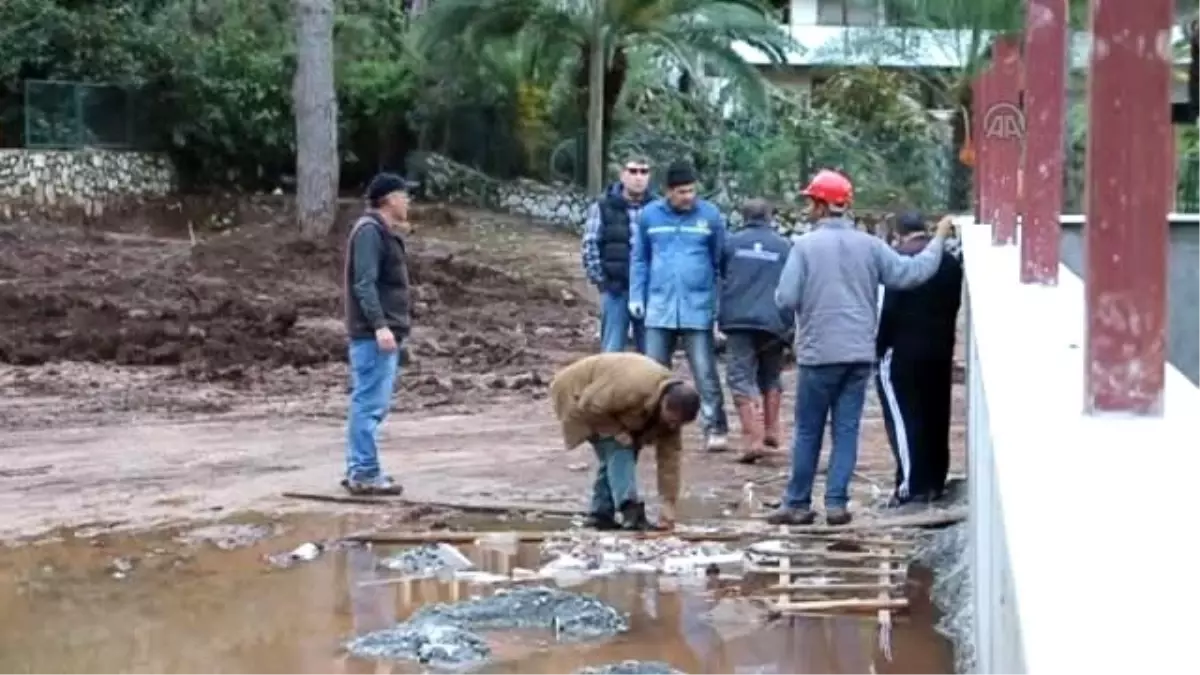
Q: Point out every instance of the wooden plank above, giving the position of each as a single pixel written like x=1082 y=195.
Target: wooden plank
x=440 y=536
x=457 y=506
x=847 y=539
x=872 y=604
x=928 y=519
x=825 y=570
x=835 y=587
x=796 y=553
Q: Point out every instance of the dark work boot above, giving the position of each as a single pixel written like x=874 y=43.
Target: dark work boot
x=838 y=516
x=633 y=517
x=787 y=515
x=601 y=521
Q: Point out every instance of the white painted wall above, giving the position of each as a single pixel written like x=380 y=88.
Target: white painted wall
x=1081 y=525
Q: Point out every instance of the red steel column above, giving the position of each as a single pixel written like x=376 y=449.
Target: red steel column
x=1128 y=196
x=1045 y=129
x=1004 y=132
x=981 y=100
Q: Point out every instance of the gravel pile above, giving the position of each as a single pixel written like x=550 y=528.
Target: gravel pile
x=630 y=668
x=947 y=554
x=447 y=635
x=427 y=559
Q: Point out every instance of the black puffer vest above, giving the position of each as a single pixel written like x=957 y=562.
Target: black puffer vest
x=615 y=230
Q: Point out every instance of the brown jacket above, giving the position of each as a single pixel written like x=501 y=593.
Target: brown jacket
x=617 y=394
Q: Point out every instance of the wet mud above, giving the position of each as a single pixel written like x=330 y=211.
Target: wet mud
x=256 y=308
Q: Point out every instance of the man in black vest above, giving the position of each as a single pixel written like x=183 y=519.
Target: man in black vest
x=607 y=240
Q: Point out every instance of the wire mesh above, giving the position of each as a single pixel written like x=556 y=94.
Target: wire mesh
x=67 y=115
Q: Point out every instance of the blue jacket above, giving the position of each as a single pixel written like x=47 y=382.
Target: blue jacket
x=750 y=267
x=674 y=264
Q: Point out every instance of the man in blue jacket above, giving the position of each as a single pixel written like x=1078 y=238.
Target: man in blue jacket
x=607 y=241
x=755 y=329
x=673 y=287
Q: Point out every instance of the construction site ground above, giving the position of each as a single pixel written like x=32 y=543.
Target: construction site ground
x=150 y=377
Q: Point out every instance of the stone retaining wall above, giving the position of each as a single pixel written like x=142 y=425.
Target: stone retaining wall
x=561 y=205
x=40 y=179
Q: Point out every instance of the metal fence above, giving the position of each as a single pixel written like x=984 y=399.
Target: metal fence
x=66 y=115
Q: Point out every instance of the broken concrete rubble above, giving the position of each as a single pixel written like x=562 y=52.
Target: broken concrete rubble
x=427 y=560
x=446 y=635
x=573 y=555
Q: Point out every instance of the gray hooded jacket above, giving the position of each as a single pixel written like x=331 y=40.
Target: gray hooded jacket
x=831 y=280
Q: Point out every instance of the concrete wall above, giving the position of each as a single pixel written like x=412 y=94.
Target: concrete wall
x=1183 y=292
x=53 y=177
x=1059 y=499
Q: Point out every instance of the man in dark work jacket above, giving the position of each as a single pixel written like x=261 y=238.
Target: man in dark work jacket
x=915 y=345
x=755 y=329
x=377 y=321
x=607 y=242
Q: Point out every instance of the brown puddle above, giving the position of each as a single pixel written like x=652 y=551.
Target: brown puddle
x=194 y=608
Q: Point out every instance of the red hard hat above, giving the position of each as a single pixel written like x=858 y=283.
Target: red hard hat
x=830 y=187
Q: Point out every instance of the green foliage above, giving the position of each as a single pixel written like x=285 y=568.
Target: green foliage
x=495 y=84
x=866 y=123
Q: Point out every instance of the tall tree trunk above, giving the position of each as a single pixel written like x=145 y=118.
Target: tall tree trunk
x=595 y=114
x=315 y=103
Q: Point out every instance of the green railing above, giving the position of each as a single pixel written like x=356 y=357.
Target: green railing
x=65 y=115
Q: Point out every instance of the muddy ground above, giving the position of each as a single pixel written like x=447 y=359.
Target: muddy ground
x=146 y=377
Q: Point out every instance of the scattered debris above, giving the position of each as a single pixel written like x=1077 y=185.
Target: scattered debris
x=595 y=556
x=228 y=537
x=121 y=567
x=427 y=560
x=446 y=635
x=307 y=552
x=631 y=668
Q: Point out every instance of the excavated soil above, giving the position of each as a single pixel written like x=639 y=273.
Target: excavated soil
x=149 y=378
x=256 y=310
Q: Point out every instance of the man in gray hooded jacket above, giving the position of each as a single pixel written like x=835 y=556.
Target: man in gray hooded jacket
x=831 y=280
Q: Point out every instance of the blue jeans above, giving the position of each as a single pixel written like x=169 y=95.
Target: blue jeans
x=372 y=376
x=616 y=476
x=701 y=349
x=837 y=392
x=616 y=324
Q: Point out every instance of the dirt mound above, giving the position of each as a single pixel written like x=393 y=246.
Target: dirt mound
x=253 y=299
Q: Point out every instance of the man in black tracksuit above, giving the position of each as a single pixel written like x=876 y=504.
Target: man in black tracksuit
x=755 y=329
x=915 y=346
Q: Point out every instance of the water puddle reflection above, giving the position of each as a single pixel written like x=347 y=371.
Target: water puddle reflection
x=227 y=611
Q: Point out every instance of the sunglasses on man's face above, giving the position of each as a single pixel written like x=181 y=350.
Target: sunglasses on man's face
x=638 y=170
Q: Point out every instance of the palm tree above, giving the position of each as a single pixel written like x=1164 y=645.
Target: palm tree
x=599 y=35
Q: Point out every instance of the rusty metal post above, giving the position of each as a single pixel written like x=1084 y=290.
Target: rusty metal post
x=1004 y=133
x=1045 y=130
x=1128 y=196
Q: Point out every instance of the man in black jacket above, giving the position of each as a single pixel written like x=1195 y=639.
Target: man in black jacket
x=377 y=321
x=607 y=243
x=915 y=345
x=755 y=329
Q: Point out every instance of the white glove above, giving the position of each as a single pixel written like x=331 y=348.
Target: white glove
x=637 y=310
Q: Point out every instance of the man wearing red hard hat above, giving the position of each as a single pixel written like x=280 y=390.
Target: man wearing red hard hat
x=831 y=281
